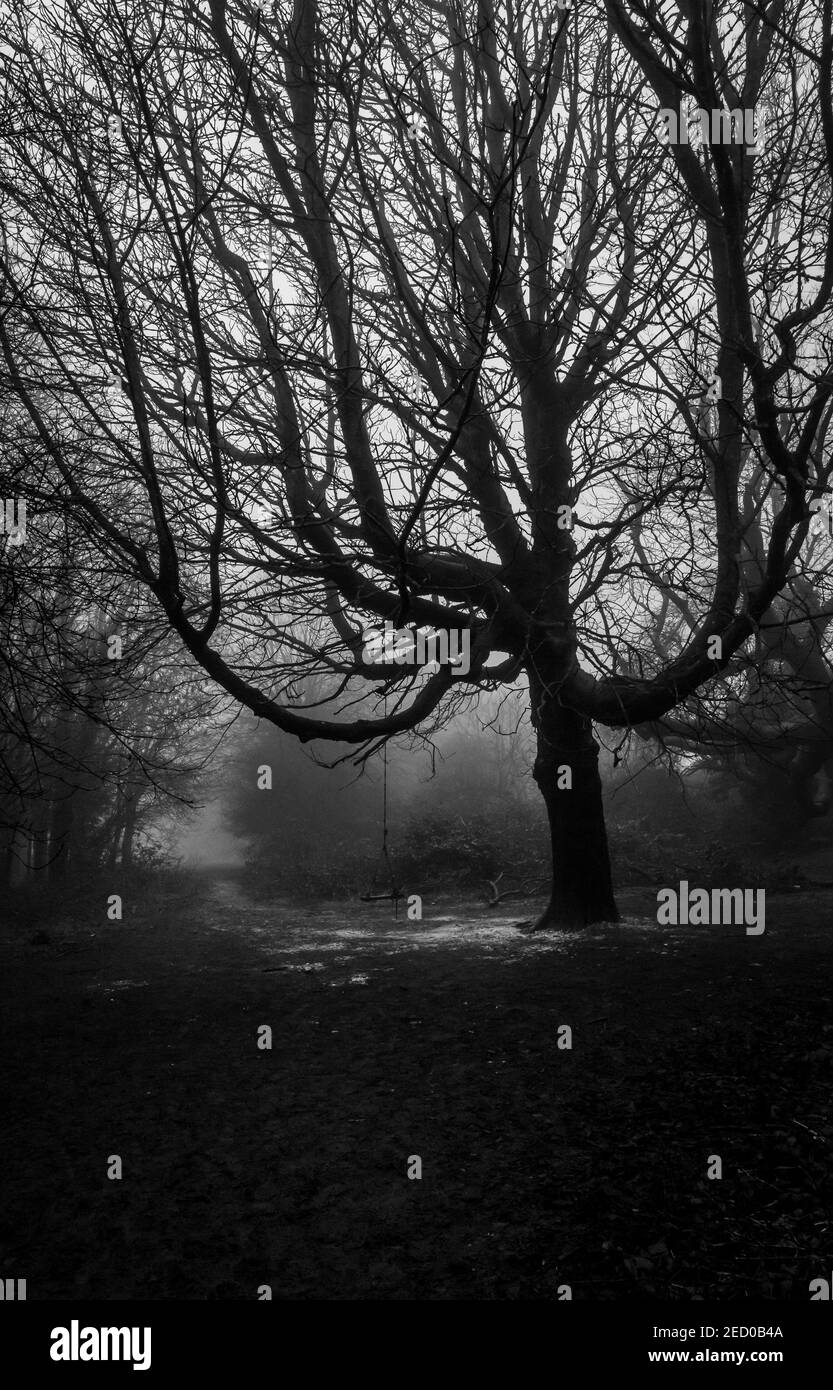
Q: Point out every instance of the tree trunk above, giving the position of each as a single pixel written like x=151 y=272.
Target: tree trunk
x=63 y=818
x=567 y=772
x=17 y=873
x=115 y=840
x=39 y=827
x=9 y=858
x=129 y=832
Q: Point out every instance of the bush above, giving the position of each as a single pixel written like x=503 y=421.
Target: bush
x=448 y=850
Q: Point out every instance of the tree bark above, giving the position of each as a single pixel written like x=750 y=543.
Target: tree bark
x=582 y=886
x=129 y=832
x=115 y=841
x=63 y=821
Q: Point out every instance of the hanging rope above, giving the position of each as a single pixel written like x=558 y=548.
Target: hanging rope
x=385 y=795
x=394 y=894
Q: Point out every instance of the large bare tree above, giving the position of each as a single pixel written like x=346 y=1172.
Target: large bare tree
x=340 y=315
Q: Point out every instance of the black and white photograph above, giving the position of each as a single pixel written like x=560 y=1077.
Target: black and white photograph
x=416 y=663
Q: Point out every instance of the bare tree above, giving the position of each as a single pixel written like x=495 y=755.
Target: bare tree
x=102 y=726
x=351 y=315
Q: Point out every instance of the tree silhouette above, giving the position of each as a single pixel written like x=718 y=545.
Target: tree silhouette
x=346 y=315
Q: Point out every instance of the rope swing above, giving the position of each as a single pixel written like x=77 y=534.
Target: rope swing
x=394 y=892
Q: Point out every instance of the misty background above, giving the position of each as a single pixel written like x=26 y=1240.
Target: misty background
x=464 y=814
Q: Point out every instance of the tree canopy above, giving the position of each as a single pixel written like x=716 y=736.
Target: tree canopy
x=332 y=315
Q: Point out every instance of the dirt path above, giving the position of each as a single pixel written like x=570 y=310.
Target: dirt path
x=541 y=1166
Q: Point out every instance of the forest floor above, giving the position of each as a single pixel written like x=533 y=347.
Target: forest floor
x=541 y=1165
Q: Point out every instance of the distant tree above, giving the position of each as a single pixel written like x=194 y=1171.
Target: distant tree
x=302 y=821
x=100 y=729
